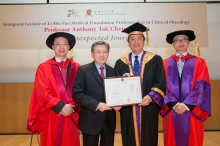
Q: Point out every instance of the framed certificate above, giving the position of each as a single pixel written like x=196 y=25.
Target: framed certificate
x=122 y=91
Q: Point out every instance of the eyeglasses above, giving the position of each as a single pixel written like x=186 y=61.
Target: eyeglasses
x=59 y=45
x=184 y=40
x=100 y=52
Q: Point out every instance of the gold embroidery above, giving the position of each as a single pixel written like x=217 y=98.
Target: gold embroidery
x=126 y=61
x=158 y=91
x=135 y=32
x=140 y=117
x=147 y=57
x=135 y=125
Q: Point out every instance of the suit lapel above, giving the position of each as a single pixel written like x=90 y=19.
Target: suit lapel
x=95 y=73
x=108 y=71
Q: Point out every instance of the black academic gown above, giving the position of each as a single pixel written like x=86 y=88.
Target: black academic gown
x=152 y=76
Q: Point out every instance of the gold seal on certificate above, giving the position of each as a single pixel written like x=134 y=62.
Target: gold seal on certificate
x=122 y=91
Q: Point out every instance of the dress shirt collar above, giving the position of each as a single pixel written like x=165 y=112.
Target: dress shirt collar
x=133 y=57
x=98 y=68
x=184 y=54
x=59 y=60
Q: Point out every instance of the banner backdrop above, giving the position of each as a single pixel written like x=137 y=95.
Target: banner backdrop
x=22 y=1
x=89 y=1
x=28 y=26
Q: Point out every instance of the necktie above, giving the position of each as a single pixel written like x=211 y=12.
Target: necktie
x=102 y=72
x=180 y=65
x=136 y=72
x=136 y=65
x=63 y=72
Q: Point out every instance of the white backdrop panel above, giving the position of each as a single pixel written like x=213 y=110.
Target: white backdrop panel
x=22 y=1
x=89 y=1
x=28 y=26
x=20 y=64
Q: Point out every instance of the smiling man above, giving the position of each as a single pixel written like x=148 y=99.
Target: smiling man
x=139 y=123
x=187 y=99
x=53 y=113
x=96 y=118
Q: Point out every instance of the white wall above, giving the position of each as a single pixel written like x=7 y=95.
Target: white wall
x=20 y=65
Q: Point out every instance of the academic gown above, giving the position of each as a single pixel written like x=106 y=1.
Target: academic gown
x=48 y=91
x=140 y=128
x=192 y=89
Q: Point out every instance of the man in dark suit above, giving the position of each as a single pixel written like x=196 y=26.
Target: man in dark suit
x=96 y=117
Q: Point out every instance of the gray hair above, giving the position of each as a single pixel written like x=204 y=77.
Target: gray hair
x=100 y=43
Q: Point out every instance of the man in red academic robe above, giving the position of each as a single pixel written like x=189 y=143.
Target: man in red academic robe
x=187 y=98
x=53 y=113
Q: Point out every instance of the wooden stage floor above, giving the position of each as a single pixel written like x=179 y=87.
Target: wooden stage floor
x=212 y=138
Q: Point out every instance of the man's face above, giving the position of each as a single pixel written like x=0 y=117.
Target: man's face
x=100 y=54
x=181 y=43
x=88 y=12
x=136 y=43
x=61 y=47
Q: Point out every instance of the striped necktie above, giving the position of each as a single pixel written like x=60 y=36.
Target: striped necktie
x=180 y=65
x=102 y=72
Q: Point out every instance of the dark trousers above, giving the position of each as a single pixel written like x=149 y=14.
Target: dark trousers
x=106 y=136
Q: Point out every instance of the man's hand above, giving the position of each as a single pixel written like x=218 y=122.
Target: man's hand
x=179 y=108
x=103 y=107
x=117 y=108
x=145 y=101
x=67 y=110
x=126 y=75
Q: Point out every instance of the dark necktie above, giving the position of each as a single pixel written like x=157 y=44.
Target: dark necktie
x=63 y=71
x=102 y=72
x=180 y=65
x=136 y=72
x=136 y=66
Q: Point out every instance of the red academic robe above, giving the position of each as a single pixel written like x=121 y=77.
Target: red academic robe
x=49 y=89
x=192 y=89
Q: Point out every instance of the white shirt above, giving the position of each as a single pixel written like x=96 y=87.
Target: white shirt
x=99 y=70
x=133 y=57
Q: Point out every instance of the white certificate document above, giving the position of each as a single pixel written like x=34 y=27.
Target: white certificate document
x=122 y=91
